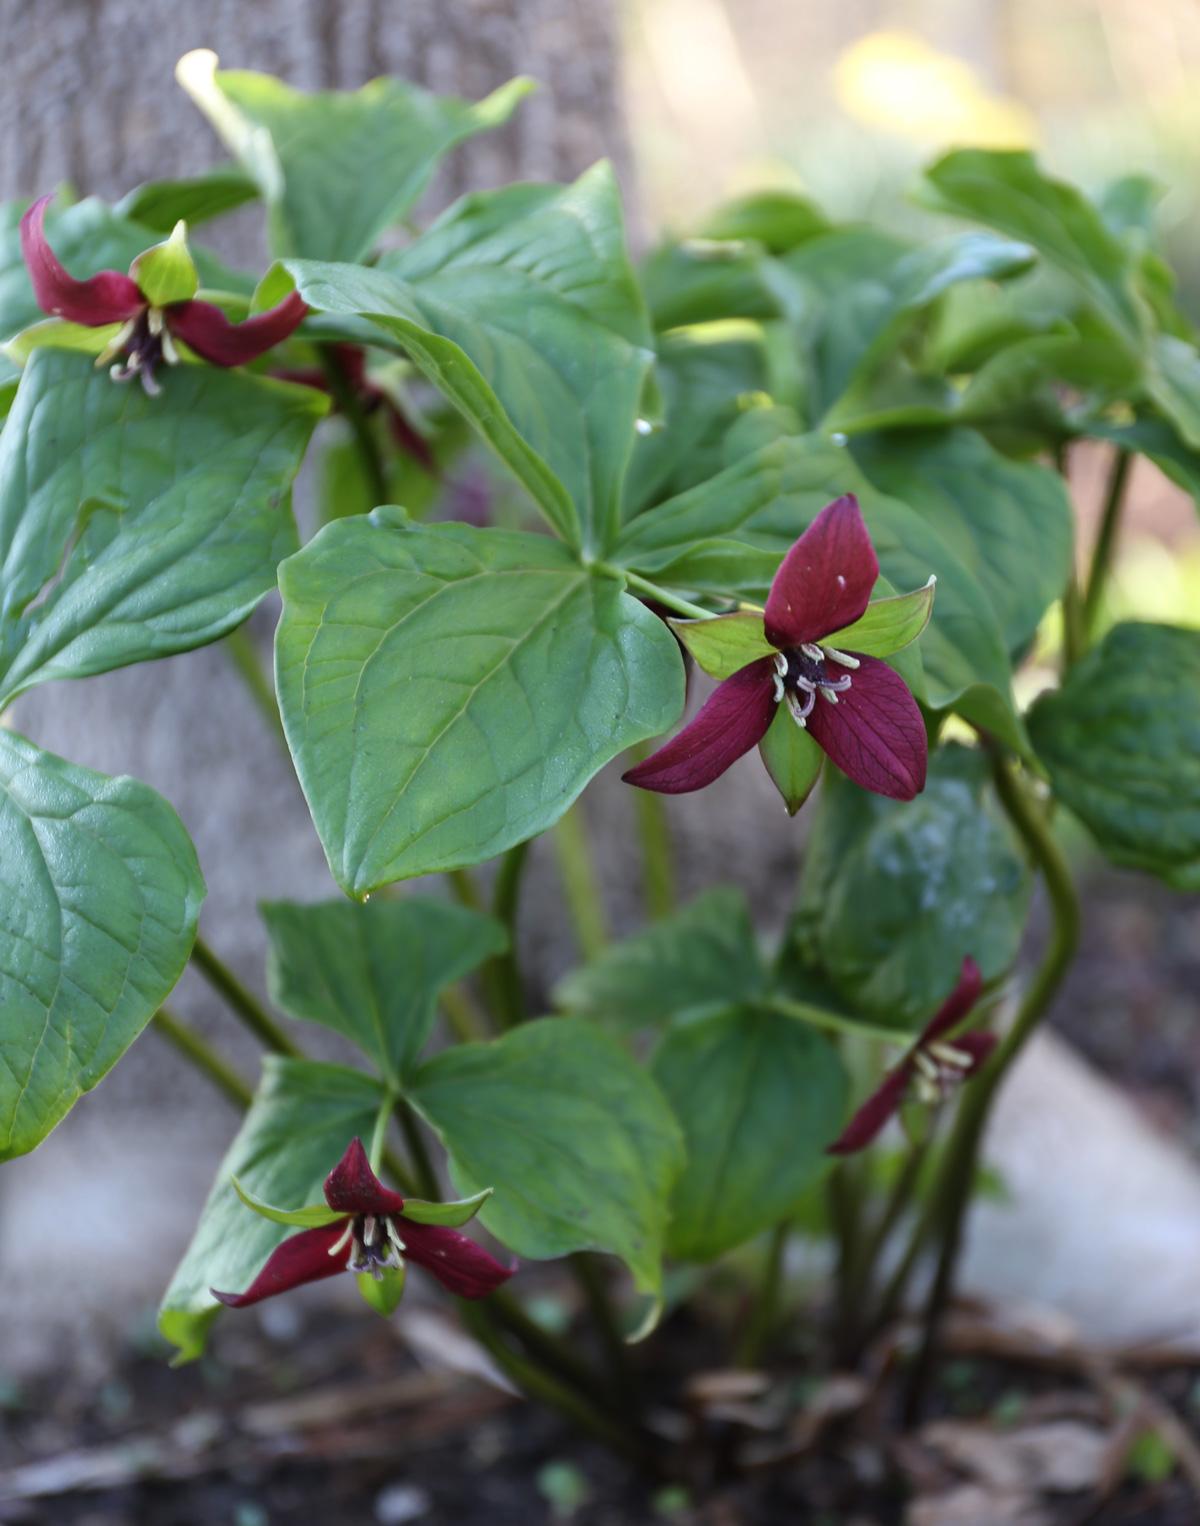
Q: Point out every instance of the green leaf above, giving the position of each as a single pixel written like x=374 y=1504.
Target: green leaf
x=58 y=334
x=303 y=1116
x=133 y=527
x=888 y=625
x=87 y=237
x=705 y=281
x=792 y=759
x=315 y=1216
x=1007 y=190
x=160 y=204
x=726 y=643
x=702 y=956
x=728 y=536
x=1173 y=385
x=575 y=1137
x=452 y=1215
x=1010 y=523
x=760 y=1096
x=166 y=272
x=101 y=892
x=447 y=692
x=373 y=973
x=861 y=290
x=1121 y=742
x=894 y=896
x=336 y=167
x=520 y=306
x=778 y=220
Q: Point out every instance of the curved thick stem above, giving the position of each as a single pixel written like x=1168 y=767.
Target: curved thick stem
x=1106 y=540
x=203 y=1057
x=954 y=1189
x=242 y=1002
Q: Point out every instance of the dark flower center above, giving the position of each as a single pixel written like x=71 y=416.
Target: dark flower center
x=804 y=672
x=145 y=344
x=375 y=1245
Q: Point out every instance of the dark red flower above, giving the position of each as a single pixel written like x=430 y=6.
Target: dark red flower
x=930 y=1068
x=854 y=706
x=368 y=1228
x=148 y=330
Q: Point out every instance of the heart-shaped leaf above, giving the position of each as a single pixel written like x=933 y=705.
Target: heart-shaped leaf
x=100 y=892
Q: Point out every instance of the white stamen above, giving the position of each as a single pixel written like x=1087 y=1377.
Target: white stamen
x=154 y=320
x=956 y=1059
x=781 y=664
x=806 y=684
x=370 y=1227
x=393 y=1235
x=926 y=1066
x=343 y=1239
x=778 y=681
x=171 y=354
x=843 y=657
x=829 y=694
x=116 y=344
x=812 y=650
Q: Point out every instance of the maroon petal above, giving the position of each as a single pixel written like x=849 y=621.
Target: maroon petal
x=875 y=733
x=825 y=580
x=978 y=1045
x=109 y=297
x=882 y=1105
x=956 y=1006
x=301 y=1258
x=461 y=1266
x=208 y=331
x=732 y=720
x=353 y=1188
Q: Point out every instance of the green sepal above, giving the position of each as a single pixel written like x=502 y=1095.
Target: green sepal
x=383 y=1294
x=315 y=1216
x=58 y=334
x=167 y=273
x=792 y=759
x=726 y=643
x=888 y=625
x=451 y=1215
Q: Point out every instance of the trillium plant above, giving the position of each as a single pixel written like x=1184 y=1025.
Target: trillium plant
x=585 y=529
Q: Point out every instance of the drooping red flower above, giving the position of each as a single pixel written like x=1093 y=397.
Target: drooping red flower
x=930 y=1069
x=364 y=1226
x=148 y=330
x=854 y=706
x=352 y=360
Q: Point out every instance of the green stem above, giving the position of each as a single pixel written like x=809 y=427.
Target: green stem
x=466 y=892
x=247 y=1006
x=764 y=1313
x=588 y=1274
x=876 y=1242
x=414 y=1141
x=1074 y=637
x=348 y=404
x=662 y=596
x=580 y=883
x=844 y=1202
x=200 y=1054
x=463 y=1018
x=540 y=1343
x=658 y=868
x=818 y=1017
x=541 y=1386
x=954 y=1190
x=503 y=972
x=242 y=652
x=1106 y=539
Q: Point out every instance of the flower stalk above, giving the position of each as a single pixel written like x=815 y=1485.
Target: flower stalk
x=1106 y=540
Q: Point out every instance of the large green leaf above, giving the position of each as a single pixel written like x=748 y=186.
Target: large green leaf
x=519 y=305
x=895 y=896
x=374 y=972
x=760 y=1096
x=132 y=527
x=1121 y=741
x=100 y=891
x=302 y=1118
x=728 y=535
x=703 y=956
x=574 y=1136
x=448 y=692
x=1007 y=190
x=1009 y=523
x=87 y=237
x=336 y=167
x=160 y=204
